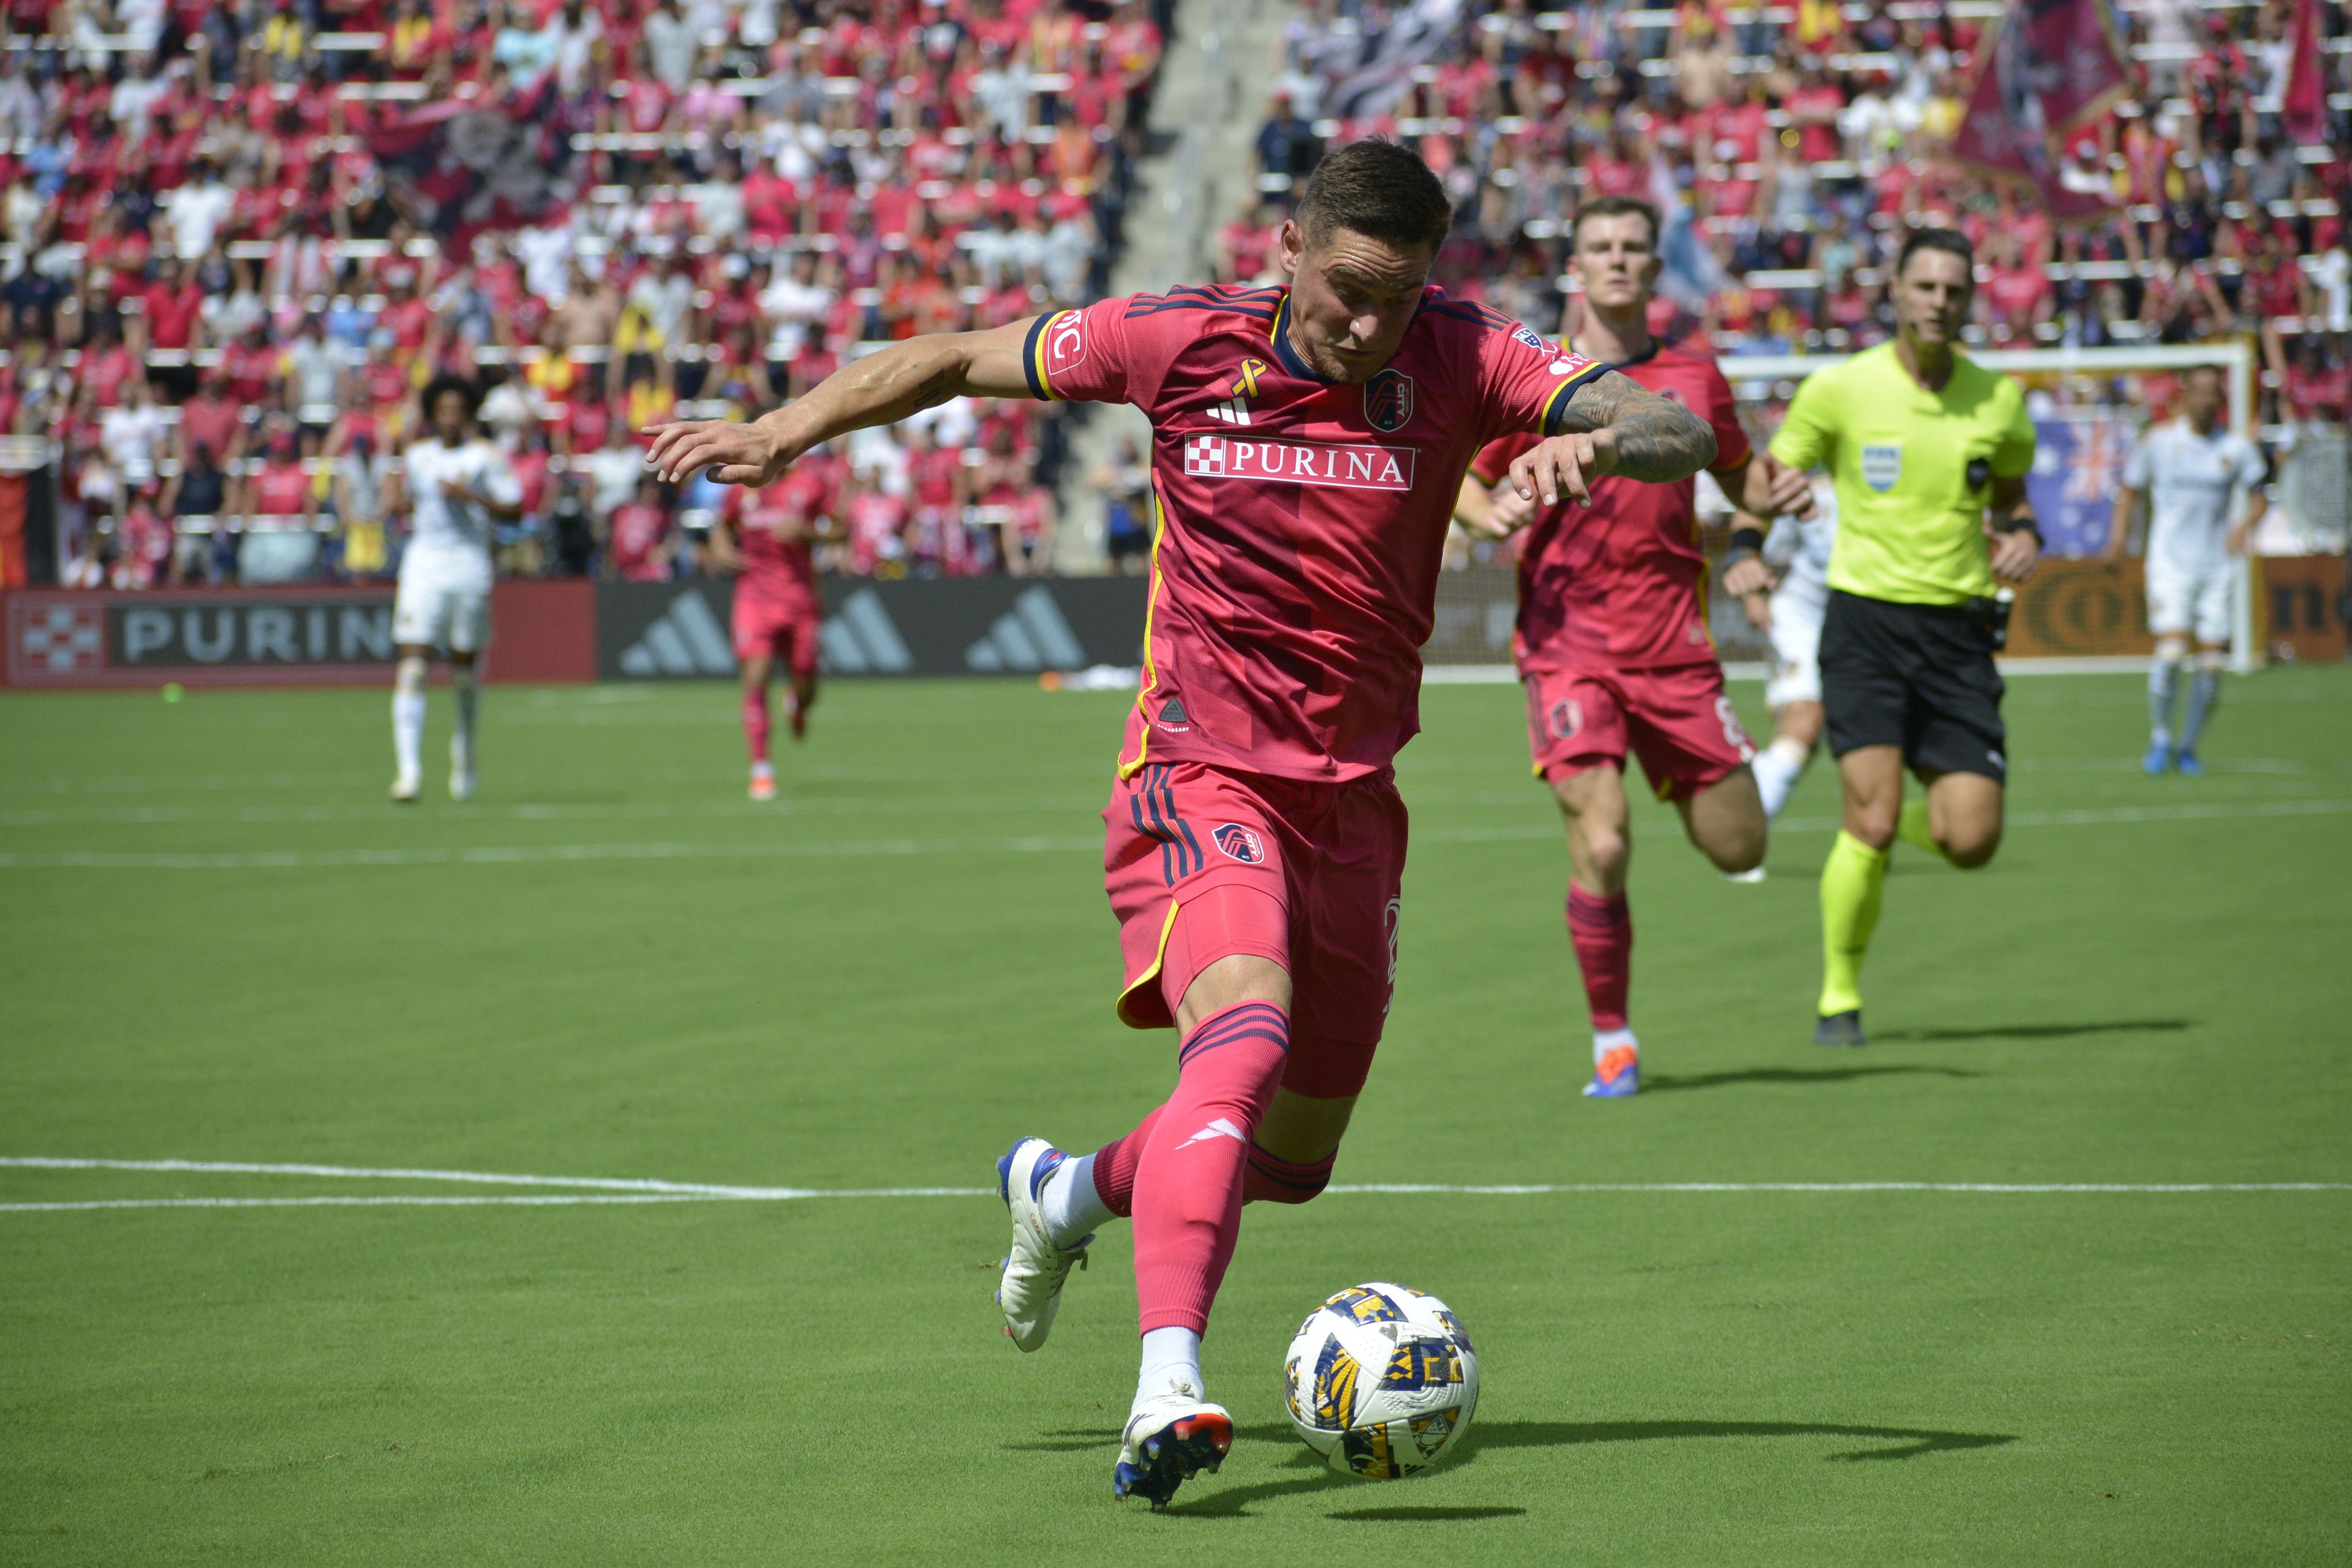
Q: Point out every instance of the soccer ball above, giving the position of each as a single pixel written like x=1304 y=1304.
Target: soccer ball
x=1381 y=1380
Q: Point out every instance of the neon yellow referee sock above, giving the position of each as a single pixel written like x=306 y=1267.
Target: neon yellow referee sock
x=1852 y=880
x=1911 y=827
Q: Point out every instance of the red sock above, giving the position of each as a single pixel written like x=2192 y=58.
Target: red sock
x=1115 y=1164
x=1601 y=930
x=755 y=724
x=1187 y=1185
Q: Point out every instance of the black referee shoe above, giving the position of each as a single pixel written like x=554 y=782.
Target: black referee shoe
x=1840 y=1028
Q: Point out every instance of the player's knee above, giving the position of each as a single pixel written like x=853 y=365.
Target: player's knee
x=1970 y=848
x=1873 y=821
x=2171 y=649
x=2212 y=658
x=1738 y=850
x=409 y=675
x=1603 y=850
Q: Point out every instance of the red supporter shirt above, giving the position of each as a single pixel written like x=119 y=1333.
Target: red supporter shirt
x=777 y=569
x=1617 y=585
x=1301 y=521
x=638 y=529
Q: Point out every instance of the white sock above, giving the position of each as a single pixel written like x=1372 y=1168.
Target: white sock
x=408 y=714
x=1607 y=1040
x=1069 y=1204
x=468 y=692
x=1777 y=767
x=1171 y=1360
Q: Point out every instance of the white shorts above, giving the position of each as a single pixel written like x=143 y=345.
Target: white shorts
x=1796 y=652
x=2189 y=601
x=430 y=610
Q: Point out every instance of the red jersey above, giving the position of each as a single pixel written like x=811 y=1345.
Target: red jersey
x=1301 y=521
x=637 y=530
x=771 y=530
x=1616 y=585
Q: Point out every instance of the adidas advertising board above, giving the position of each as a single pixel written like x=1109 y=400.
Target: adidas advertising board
x=973 y=625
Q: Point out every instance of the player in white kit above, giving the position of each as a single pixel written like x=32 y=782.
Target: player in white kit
x=1797 y=553
x=454 y=484
x=2191 y=472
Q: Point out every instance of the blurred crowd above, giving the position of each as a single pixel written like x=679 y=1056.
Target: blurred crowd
x=1790 y=144
x=240 y=235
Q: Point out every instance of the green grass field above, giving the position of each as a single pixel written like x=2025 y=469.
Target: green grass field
x=219 y=943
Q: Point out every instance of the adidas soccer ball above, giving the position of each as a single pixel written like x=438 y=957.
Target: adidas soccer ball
x=1381 y=1381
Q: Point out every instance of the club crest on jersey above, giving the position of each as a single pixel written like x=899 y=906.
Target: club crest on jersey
x=1387 y=401
x=1882 y=465
x=1234 y=409
x=1566 y=717
x=1239 y=844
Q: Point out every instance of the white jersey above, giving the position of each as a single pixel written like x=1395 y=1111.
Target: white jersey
x=450 y=538
x=2193 y=484
x=1799 y=549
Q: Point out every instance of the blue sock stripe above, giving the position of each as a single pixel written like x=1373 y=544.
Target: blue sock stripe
x=1250 y=1021
x=1282 y=1173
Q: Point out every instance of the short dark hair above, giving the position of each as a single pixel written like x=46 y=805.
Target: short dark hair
x=1617 y=206
x=448 y=381
x=1949 y=240
x=1380 y=190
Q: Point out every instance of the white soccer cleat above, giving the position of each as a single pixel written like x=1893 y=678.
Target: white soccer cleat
x=1031 y=1290
x=763 y=782
x=1169 y=1438
x=404 y=789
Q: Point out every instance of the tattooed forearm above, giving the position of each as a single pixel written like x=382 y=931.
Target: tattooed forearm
x=1658 y=440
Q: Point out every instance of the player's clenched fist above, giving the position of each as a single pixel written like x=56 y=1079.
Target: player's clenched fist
x=735 y=454
x=1565 y=466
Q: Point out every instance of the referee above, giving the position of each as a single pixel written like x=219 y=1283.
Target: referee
x=1928 y=452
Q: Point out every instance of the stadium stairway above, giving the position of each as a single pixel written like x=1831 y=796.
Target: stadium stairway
x=1195 y=171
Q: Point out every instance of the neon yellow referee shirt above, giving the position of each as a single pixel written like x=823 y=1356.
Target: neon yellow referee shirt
x=1913 y=468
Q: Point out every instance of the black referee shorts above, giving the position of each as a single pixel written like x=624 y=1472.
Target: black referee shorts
x=1920 y=676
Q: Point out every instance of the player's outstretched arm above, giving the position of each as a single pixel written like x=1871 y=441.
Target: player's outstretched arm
x=1653 y=438
x=879 y=389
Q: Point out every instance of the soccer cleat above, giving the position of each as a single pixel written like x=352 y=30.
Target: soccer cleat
x=1839 y=1028
x=1617 y=1074
x=2159 y=754
x=2191 y=768
x=763 y=782
x=1169 y=1438
x=404 y=789
x=1753 y=874
x=1031 y=1288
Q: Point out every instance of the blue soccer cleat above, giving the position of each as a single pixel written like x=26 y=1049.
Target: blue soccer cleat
x=2191 y=768
x=1616 y=1075
x=2160 y=757
x=1169 y=1438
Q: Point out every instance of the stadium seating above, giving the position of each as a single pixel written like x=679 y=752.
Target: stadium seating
x=283 y=216
x=1791 y=146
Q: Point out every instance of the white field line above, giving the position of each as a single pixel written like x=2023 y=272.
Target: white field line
x=513 y=854
x=606 y=1190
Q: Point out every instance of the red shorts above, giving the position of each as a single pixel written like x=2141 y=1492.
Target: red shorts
x=1202 y=864
x=1676 y=720
x=780 y=630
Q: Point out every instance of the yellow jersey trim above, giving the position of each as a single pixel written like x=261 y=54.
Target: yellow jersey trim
x=1159 y=958
x=1151 y=681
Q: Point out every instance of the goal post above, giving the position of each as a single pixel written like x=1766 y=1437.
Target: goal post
x=2066 y=386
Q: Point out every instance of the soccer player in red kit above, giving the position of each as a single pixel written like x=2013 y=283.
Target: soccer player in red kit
x=764 y=537
x=1612 y=644
x=1309 y=444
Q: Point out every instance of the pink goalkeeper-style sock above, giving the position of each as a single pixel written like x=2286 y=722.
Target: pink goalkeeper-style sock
x=1115 y=1164
x=756 y=724
x=1188 y=1181
x=1601 y=930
